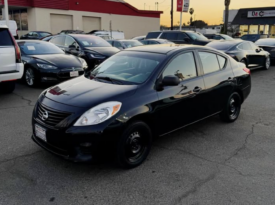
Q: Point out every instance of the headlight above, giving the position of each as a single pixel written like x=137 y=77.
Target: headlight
x=97 y=56
x=99 y=114
x=46 y=66
x=84 y=63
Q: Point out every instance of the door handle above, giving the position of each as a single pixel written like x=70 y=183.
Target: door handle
x=197 y=89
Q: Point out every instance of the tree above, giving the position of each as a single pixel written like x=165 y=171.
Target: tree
x=199 y=23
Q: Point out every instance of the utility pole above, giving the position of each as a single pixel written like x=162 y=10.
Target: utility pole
x=7 y=13
x=226 y=3
x=172 y=11
x=157 y=6
x=144 y=6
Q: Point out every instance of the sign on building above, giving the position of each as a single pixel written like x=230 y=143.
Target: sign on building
x=261 y=14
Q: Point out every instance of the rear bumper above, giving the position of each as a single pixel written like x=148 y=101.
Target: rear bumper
x=13 y=75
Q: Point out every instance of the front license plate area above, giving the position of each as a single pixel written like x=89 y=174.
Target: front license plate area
x=74 y=74
x=40 y=132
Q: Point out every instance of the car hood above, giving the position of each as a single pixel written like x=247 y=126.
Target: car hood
x=83 y=92
x=59 y=60
x=106 y=51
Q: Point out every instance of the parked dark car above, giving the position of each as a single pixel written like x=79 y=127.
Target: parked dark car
x=44 y=62
x=268 y=45
x=253 y=37
x=35 y=35
x=91 y=48
x=71 y=32
x=123 y=44
x=180 y=37
x=245 y=52
x=136 y=94
x=218 y=37
x=155 y=41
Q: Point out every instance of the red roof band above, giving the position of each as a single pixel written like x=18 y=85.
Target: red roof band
x=98 y=6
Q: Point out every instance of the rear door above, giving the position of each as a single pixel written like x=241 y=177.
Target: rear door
x=7 y=52
x=218 y=78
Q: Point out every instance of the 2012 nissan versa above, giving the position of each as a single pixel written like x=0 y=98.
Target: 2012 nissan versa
x=137 y=94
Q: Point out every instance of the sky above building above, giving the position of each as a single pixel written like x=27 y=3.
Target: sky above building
x=211 y=11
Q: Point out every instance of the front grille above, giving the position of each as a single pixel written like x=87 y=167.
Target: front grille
x=54 y=116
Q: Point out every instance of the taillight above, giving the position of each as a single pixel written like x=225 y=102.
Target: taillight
x=17 y=50
x=246 y=70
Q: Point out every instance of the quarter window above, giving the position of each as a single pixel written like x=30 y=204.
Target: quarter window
x=209 y=62
x=183 y=66
x=222 y=61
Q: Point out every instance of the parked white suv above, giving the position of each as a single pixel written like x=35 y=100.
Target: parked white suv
x=11 y=67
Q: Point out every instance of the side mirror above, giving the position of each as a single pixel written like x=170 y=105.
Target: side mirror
x=72 y=47
x=258 y=50
x=170 y=80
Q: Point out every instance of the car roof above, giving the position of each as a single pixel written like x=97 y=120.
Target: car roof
x=31 y=41
x=229 y=42
x=165 y=48
x=81 y=35
x=3 y=26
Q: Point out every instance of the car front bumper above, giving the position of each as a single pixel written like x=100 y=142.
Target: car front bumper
x=58 y=75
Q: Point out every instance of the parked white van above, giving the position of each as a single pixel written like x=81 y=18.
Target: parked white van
x=11 y=66
x=12 y=26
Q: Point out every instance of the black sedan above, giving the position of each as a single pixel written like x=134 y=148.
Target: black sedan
x=44 y=62
x=268 y=45
x=35 y=35
x=155 y=41
x=245 y=52
x=91 y=48
x=124 y=44
x=218 y=37
x=137 y=94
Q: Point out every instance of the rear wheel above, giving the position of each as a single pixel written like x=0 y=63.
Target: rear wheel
x=267 y=63
x=30 y=77
x=134 y=145
x=232 y=108
x=7 y=87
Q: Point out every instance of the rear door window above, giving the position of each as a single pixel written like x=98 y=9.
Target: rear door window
x=169 y=36
x=222 y=61
x=153 y=35
x=60 y=40
x=5 y=38
x=209 y=62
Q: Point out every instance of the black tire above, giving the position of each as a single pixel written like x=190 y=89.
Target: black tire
x=134 y=145
x=7 y=87
x=244 y=62
x=267 y=63
x=30 y=77
x=232 y=108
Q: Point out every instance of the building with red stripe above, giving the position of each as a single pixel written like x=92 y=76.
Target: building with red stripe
x=86 y=15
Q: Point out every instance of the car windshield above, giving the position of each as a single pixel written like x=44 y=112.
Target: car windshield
x=197 y=36
x=223 y=46
x=92 y=41
x=250 y=37
x=265 y=42
x=44 y=34
x=127 y=67
x=130 y=44
x=37 y=48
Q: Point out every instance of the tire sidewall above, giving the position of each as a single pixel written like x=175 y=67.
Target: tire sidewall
x=34 y=81
x=265 y=67
x=225 y=115
x=120 y=151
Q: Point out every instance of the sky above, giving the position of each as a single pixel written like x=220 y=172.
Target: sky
x=211 y=11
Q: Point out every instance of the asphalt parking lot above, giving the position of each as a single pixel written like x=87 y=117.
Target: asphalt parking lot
x=210 y=162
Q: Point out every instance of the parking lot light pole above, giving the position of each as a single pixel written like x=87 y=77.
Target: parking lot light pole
x=6 y=12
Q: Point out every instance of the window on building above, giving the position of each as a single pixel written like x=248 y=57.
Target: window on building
x=20 y=16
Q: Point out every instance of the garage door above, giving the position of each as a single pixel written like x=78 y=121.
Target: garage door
x=61 y=22
x=91 y=23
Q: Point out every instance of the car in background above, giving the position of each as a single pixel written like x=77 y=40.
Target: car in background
x=180 y=37
x=268 y=45
x=124 y=44
x=139 y=38
x=11 y=66
x=117 y=35
x=45 y=62
x=253 y=37
x=71 y=32
x=35 y=35
x=155 y=41
x=12 y=27
x=94 y=50
x=218 y=37
x=136 y=94
x=106 y=37
x=245 y=52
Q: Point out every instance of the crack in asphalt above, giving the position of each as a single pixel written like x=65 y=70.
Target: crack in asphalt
x=18 y=157
x=6 y=108
x=25 y=99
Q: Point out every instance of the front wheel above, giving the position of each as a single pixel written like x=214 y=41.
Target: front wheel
x=232 y=108
x=134 y=145
x=267 y=63
x=30 y=77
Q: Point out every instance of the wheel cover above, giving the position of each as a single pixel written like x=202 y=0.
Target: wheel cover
x=234 y=107
x=29 y=76
x=135 y=146
x=267 y=63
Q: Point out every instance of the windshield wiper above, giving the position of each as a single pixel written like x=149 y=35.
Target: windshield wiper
x=108 y=79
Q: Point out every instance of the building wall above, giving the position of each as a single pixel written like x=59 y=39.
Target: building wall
x=39 y=19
